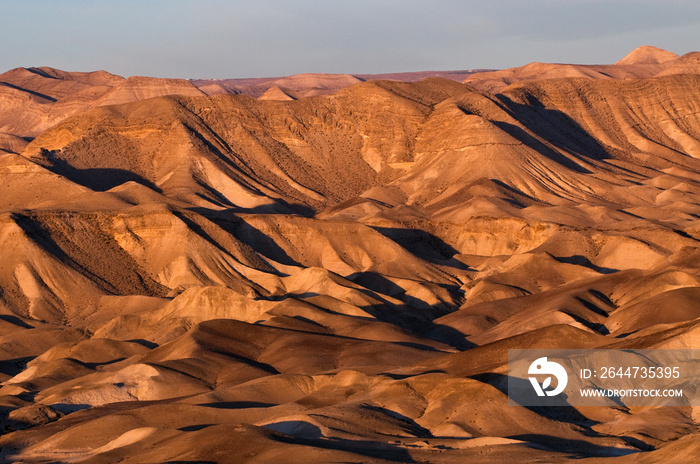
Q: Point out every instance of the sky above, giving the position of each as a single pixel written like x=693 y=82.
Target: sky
x=235 y=39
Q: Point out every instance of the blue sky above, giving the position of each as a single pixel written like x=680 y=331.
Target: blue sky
x=229 y=39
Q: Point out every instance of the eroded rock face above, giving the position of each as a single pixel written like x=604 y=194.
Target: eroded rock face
x=339 y=277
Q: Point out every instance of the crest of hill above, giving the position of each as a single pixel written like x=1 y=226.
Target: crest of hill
x=275 y=93
x=56 y=84
x=643 y=62
x=313 y=84
x=34 y=99
x=414 y=76
x=100 y=77
x=647 y=54
x=297 y=85
x=495 y=81
x=686 y=64
x=141 y=88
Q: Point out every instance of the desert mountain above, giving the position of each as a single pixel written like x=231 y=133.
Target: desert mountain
x=276 y=93
x=647 y=54
x=34 y=99
x=313 y=84
x=643 y=62
x=338 y=274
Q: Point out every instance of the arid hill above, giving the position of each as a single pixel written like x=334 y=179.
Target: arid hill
x=313 y=84
x=643 y=62
x=34 y=99
x=339 y=277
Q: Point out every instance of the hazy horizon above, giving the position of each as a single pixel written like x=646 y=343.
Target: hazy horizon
x=217 y=39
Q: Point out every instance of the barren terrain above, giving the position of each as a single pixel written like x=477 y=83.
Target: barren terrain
x=331 y=268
